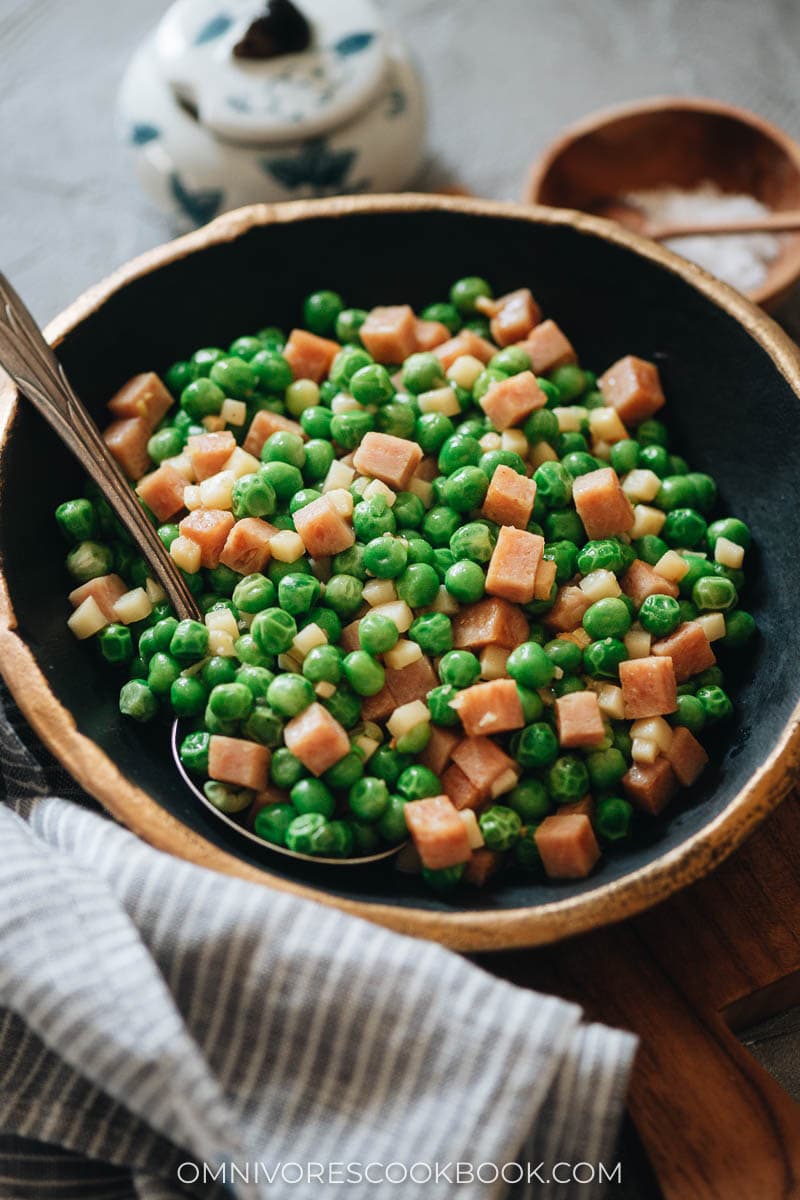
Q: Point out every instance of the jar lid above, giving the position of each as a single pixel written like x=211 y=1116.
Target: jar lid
x=273 y=99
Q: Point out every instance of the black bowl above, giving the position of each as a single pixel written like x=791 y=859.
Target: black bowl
x=732 y=382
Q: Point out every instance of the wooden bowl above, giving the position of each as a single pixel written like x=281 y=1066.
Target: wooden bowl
x=671 y=141
x=726 y=368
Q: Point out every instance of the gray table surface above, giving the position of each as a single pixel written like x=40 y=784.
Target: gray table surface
x=502 y=78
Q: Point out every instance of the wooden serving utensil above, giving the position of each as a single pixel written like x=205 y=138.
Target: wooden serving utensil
x=38 y=374
x=632 y=217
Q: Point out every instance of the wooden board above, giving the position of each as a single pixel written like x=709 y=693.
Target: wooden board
x=719 y=956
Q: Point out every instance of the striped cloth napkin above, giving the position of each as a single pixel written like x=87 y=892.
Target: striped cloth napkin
x=166 y=1032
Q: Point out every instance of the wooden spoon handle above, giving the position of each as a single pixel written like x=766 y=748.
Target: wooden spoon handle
x=38 y=374
x=775 y=222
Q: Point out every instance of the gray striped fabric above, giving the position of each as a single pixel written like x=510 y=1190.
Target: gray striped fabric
x=168 y=1032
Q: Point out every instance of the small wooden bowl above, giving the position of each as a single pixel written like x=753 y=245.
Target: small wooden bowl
x=672 y=141
x=725 y=365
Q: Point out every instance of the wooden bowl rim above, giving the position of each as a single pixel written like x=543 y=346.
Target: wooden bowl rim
x=472 y=930
x=787 y=266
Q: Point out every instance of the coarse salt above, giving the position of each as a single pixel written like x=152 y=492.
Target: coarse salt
x=740 y=259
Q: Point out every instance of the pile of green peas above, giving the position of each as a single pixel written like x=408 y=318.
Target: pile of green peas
x=430 y=551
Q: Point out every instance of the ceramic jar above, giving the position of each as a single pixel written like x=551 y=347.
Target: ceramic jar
x=217 y=119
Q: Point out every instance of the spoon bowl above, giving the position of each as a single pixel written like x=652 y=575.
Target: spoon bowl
x=237 y=825
x=676 y=142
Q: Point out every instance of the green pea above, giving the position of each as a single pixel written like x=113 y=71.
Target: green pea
x=303 y=834
x=321 y=310
x=466 y=291
x=445 y=879
x=399 y=420
x=530 y=665
x=607 y=618
x=613 y=818
x=253 y=496
x=676 y=491
x=601 y=659
x=392 y=822
x=500 y=827
x=460 y=450
x=348 y=325
x=473 y=541
x=365 y=837
x=218 y=670
x=385 y=557
x=568 y=779
x=272 y=822
x=193 y=752
x=465 y=581
x=230 y=701
x=388 y=764
x=553 y=484
x=273 y=630
x=138 y=701
x=739 y=628
x=624 y=456
x=422 y=373
x=445 y=314
x=655 y=458
x=570 y=381
x=312 y=796
x=345 y=773
x=254 y=593
x=537 y=745
x=371 y=385
x=349 y=428
x=290 y=694
x=284 y=769
x=419 y=551
x=372 y=518
x=440 y=523
x=541 y=426
x=731 y=528
x=343 y=593
x=530 y=800
x=439 y=701
x=716 y=703
x=712 y=593
x=284 y=447
x=272 y=371
x=459 y=668
x=316 y=422
x=235 y=376
x=77 y=520
x=298 y=593
x=364 y=673
x=326 y=620
x=512 y=360
x=659 y=615
x=284 y=479
x=606 y=768
x=565 y=555
x=684 y=527
x=162 y=672
x=187 y=696
x=179 y=375
x=418 y=585
x=465 y=489
x=433 y=633
x=368 y=798
x=605 y=554
x=89 y=560
x=565 y=654
x=377 y=633
x=408 y=510
x=417 y=782
x=432 y=430
x=492 y=459
x=691 y=713
x=263 y=725
x=226 y=798
x=116 y=644
x=257 y=679
x=202 y=398
x=323 y=664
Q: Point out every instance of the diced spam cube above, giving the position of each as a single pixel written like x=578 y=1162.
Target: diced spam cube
x=492 y=707
x=490 y=622
x=246 y=548
x=105 y=590
x=377 y=707
x=316 y=738
x=641 y=580
x=601 y=503
x=308 y=355
x=514 y=318
x=438 y=832
x=234 y=760
x=649 y=688
x=466 y=342
x=429 y=334
x=512 y=568
x=412 y=682
x=483 y=864
x=483 y=762
x=391 y=459
x=545 y=578
x=510 y=498
x=143 y=396
x=436 y=754
x=264 y=424
x=209 y=452
x=567 y=612
x=632 y=386
x=209 y=528
x=686 y=756
x=162 y=491
x=460 y=788
x=579 y=720
x=567 y=846
x=508 y=402
x=689 y=648
x=650 y=786
x=323 y=528
x=390 y=333
x=127 y=440
x=548 y=348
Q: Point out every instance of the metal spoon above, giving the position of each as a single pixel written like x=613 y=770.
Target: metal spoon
x=38 y=374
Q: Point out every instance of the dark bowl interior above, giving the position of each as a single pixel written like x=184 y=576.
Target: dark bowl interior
x=732 y=412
